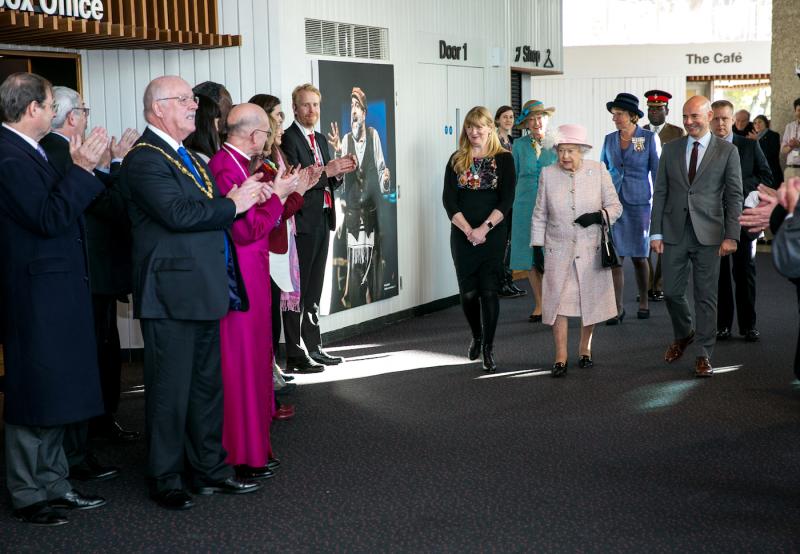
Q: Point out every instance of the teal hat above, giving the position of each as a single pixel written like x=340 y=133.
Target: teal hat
x=531 y=107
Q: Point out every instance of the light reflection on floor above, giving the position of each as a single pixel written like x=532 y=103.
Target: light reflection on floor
x=369 y=365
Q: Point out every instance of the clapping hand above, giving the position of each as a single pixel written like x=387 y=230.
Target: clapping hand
x=285 y=183
x=756 y=219
x=126 y=142
x=342 y=165
x=788 y=194
x=309 y=176
x=87 y=153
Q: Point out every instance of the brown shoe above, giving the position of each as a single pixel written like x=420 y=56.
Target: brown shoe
x=702 y=367
x=677 y=348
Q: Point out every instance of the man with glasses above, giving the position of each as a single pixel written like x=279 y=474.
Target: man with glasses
x=185 y=280
x=52 y=378
x=108 y=248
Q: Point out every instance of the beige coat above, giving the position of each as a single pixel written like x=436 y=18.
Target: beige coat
x=562 y=198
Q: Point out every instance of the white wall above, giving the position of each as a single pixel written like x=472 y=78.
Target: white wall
x=272 y=60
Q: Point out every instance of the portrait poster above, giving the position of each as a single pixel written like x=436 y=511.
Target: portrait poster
x=357 y=116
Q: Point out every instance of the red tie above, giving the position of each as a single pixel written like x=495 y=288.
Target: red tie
x=693 y=162
x=328 y=201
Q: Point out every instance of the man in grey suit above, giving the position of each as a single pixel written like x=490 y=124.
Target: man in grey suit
x=697 y=200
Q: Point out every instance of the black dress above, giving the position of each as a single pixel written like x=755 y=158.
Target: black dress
x=488 y=186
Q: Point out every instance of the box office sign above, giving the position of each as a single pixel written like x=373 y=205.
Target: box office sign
x=82 y=9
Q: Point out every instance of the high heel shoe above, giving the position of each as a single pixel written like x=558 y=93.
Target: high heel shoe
x=585 y=362
x=617 y=319
x=559 y=369
x=474 y=349
x=489 y=364
x=535 y=318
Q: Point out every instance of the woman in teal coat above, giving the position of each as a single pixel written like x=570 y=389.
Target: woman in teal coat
x=530 y=156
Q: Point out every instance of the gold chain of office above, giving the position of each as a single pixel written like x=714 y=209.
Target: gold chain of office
x=208 y=189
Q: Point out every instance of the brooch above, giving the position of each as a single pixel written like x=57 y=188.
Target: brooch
x=638 y=144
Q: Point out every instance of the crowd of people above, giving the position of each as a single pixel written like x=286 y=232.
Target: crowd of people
x=695 y=198
x=217 y=220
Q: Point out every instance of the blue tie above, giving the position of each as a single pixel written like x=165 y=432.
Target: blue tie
x=187 y=161
x=41 y=151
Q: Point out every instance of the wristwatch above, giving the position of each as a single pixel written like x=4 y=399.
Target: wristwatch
x=489 y=224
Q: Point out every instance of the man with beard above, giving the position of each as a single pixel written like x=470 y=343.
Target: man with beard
x=314 y=222
x=657 y=111
x=361 y=194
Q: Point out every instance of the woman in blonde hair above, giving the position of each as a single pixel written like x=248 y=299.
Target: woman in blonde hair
x=479 y=183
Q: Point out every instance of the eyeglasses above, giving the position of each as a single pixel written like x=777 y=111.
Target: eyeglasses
x=53 y=106
x=182 y=100
x=84 y=110
x=269 y=133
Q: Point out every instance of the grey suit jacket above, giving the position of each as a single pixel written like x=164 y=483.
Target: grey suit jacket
x=713 y=202
x=786 y=247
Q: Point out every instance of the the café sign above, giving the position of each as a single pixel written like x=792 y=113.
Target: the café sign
x=83 y=9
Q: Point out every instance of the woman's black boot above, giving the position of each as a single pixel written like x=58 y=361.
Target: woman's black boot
x=474 y=348
x=488 y=359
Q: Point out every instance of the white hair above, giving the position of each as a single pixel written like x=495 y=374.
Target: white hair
x=67 y=100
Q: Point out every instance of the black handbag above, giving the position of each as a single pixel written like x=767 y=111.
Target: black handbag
x=608 y=255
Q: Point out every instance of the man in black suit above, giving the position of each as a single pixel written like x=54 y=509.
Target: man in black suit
x=108 y=247
x=317 y=218
x=755 y=171
x=52 y=378
x=775 y=209
x=184 y=281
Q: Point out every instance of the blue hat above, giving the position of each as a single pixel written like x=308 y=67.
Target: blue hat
x=625 y=101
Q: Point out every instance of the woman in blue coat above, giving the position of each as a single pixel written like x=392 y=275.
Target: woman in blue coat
x=530 y=156
x=631 y=155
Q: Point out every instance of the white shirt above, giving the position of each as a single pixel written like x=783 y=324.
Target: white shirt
x=792 y=132
x=166 y=138
x=701 y=150
x=315 y=149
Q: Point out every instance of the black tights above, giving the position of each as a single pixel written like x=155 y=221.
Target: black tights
x=485 y=305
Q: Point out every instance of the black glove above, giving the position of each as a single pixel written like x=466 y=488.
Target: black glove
x=592 y=218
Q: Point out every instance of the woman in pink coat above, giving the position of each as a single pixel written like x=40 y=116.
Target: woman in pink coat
x=567 y=220
x=246 y=347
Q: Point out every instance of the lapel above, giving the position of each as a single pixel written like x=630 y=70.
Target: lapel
x=680 y=151
x=307 y=156
x=26 y=149
x=711 y=152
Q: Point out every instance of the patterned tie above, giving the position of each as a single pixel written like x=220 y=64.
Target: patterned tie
x=187 y=161
x=693 y=162
x=314 y=147
x=327 y=200
x=41 y=151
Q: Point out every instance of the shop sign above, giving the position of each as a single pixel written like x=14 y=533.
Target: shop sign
x=526 y=54
x=83 y=9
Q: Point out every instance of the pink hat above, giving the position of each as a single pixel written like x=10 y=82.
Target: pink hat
x=571 y=134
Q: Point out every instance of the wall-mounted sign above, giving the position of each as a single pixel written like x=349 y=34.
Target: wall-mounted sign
x=83 y=9
x=717 y=57
x=444 y=49
x=526 y=54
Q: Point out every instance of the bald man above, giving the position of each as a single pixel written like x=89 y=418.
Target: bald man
x=185 y=279
x=697 y=200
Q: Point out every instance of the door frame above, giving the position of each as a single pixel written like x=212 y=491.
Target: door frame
x=46 y=54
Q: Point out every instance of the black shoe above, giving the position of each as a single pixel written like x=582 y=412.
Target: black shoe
x=273 y=463
x=74 y=500
x=616 y=320
x=643 y=313
x=752 y=335
x=288 y=388
x=474 y=349
x=173 y=499
x=303 y=365
x=40 y=514
x=655 y=295
x=518 y=290
x=231 y=485
x=535 y=318
x=585 y=362
x=488 y=359
x=254 y=473
x=559 y=369
x=322 y=357
x=92 y=470
x=287 y=378
x=724 y=333
x=111 y=430
x=508 y=292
